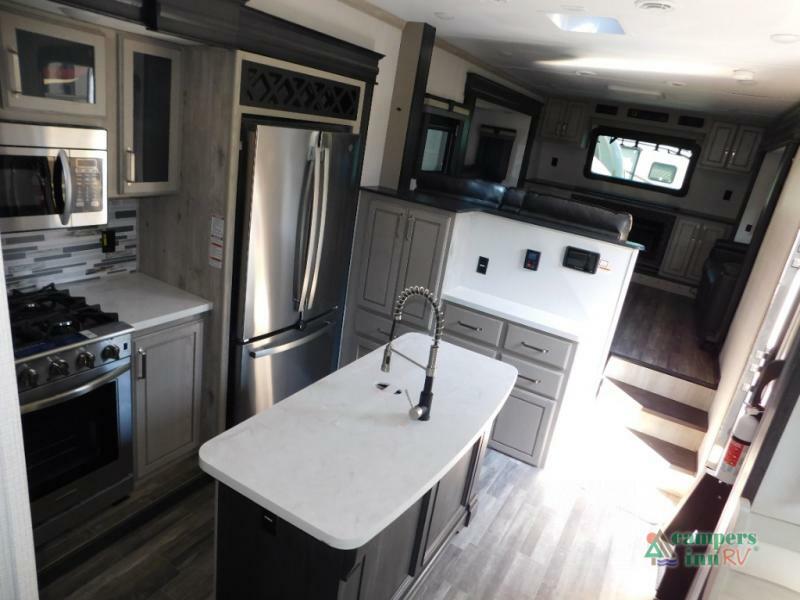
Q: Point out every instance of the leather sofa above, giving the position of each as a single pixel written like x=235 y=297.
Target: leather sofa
x=716 y=290
x=577 y=216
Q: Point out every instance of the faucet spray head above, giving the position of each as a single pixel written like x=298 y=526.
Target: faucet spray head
x=387 y=358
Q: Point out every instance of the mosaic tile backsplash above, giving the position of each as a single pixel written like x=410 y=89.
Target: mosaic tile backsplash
x=35 y=258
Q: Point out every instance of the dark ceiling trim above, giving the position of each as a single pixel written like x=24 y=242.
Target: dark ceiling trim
x=230 y=24
x=478 y=86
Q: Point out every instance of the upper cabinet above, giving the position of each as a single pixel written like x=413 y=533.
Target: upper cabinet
x=150 y=117
x=52 y=68
x=732 y=147
x=564 y=120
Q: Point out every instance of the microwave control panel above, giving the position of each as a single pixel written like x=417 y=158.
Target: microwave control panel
x=87 y=184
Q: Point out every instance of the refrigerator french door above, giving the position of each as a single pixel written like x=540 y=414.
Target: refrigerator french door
x=296 y=215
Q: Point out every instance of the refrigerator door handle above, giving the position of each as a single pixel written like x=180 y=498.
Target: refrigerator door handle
x=294 y=343
x=325 y=160
x=311 y=252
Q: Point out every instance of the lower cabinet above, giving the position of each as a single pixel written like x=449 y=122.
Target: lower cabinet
x=689 y=246
x=259 y=555
x=167 y=382
x=522 y=429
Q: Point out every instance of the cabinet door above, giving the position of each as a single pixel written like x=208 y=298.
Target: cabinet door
x=717 y=145
x=151 y=108
x=573 y=121
x=364 y=346
x=708 y=235
x=382 y=239
x=427 y=235
x=745 y=149
x=523 y=427
x=52 y=68
x=167 y=394
x=553 y=119
x=681 y=246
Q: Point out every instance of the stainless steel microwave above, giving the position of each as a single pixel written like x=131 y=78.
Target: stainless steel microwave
x=52 y=177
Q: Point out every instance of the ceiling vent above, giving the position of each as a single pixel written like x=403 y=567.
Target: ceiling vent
x=656 y=5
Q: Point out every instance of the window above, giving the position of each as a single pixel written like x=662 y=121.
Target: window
x=642 y=160
x=439 y=135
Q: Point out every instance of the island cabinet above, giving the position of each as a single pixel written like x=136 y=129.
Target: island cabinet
x=398 y=244
x=260 y=555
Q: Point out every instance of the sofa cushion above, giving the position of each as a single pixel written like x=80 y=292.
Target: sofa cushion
x=469 y=189
x=616 y=224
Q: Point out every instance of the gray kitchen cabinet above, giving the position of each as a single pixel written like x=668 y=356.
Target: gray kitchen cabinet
x=564 y=120
x=167 y=379
x=398 y=244
x=364 y=346
x=731 y=147
x=523 y=427
x=150 y=117
x=689 y=246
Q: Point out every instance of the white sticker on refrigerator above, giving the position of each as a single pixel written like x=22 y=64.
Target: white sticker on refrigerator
x=216 y=245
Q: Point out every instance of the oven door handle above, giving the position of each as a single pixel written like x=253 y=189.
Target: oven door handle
x=75 y=392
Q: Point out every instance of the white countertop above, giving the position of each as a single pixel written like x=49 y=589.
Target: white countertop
x=342 y=460
x=140 y=300
x=535 y=318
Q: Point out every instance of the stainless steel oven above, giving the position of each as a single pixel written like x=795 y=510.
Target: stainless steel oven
x=77 y=431
x=52 y=177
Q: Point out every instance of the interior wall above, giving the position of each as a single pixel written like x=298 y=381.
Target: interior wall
x=351 y=25
x=508 y=120
x=17 y=560
x=762 y=188
x=706 y=191
x=174 y=230
x=775 y=249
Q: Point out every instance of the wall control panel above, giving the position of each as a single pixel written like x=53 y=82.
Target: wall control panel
x=581 y=260
x=531 y=260
x=483 y=264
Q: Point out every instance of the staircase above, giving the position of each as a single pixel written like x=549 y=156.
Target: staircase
x=667 y=415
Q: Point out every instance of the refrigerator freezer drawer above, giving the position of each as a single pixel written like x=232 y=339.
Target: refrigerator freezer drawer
x=273 y=369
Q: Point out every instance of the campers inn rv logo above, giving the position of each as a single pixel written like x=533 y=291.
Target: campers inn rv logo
x=700 y=548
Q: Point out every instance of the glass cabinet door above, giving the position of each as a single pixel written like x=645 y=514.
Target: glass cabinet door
x=53 y=68
x=151 y=105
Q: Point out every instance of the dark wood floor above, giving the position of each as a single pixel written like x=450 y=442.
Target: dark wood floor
x=657 y=329
x=536 y=535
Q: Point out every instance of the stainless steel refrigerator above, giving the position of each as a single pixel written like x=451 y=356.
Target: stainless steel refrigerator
x=295 y=220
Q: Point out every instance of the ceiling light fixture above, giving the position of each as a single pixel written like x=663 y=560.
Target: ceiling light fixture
x=444 y=16
x=655 y=5
x=573 y=8
x=785 y=38
x=585 y=23
x=585 y=73
x=638 y=65
x=743 y=75
x=677 y=83
x=635 y=91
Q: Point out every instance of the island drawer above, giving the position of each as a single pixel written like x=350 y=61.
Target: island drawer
x=377 y=328
x=470 y=324
x=522 y=429
x=537 y=378
x=539 y=346
x=480 y=349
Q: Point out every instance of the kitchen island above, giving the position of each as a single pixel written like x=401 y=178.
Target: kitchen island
x=336 y=493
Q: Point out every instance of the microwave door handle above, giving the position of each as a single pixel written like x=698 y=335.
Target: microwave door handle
x=75 y=392
x=66 y=214
x=326 y=172
x=312 y=241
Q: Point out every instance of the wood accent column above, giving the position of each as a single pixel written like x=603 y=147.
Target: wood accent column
x=408 y=97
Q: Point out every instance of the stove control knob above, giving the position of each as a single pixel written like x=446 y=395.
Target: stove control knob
x=27 y=378
x=85 y=360
x=59 y=368
x=110 y=352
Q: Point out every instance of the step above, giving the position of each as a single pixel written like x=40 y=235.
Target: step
x=663 y=384
x=653 y=414
x=679 y=468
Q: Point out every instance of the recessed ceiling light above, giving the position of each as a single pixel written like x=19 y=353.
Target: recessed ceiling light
x=585 y=73
x=444 y=16
x=655 y=5
x=677 y=83
x=743 y=75
x=785 y=38
x=585 y=23
x=635 y=91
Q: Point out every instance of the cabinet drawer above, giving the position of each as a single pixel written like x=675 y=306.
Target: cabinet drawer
x=539 y=346
x=522 y=429
x=376 y=327
x=537 y=378
x=457 y=341
x=469 y=324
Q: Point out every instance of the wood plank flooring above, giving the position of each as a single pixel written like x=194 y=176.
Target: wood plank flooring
x=536 y=535
x=656 y=329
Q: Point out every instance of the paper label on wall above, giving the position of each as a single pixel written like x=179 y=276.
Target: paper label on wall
x=216 y=244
